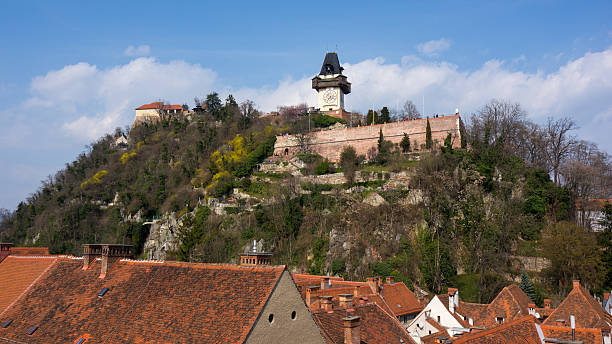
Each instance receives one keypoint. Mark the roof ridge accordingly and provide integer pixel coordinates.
(225, 266)
(37, 257)
(498, 328)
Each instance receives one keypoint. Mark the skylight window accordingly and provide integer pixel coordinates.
(7, 323)
(103, 292)
(32, 330)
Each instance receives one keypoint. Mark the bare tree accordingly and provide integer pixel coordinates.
(532, 145)
(249, 109)
(498, 123)
(293, 111)
(559, 142)
(588, 172)
(409, 111)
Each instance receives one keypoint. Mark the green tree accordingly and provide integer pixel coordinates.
(605, 241)
(213, 104)
(370, 117)
(348, 163)
(405, 143)
(527, 287)
(375, 119)
(385, 117)
(573, 253)
(428, 140)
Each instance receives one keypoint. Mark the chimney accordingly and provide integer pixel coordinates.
(531, 307)
(606, 297)
(352, 330)
(326, 303)
(324, 283)
(5, 247)
(453, 299)
(546, 303)
(451, 304)
(373, 282)
(346, 300)
(389, 280)
(309, 291)
(109, 255)
(576, 283)
(356, 291)
(573, 325)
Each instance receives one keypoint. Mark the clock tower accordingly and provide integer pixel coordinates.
(331, 86)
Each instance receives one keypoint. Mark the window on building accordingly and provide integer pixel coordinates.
(438, 319)
(500, 320)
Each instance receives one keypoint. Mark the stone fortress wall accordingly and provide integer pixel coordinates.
(329, 143)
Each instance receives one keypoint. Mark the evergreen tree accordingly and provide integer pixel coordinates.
(385, 117)
(375, 119)
(405, 143)
(428, 140)
(370, 117)
(605, 241)
(527, 287)
(381, 139)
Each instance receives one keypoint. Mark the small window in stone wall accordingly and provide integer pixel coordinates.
(293, 315)
(271, 318)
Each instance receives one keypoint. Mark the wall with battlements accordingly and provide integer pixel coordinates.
(329, 143)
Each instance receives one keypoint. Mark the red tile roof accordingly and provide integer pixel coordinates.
(158, 105)
(400, 299)
(376, 325)
(17, 275)
(522, 330)
(511, 303)
(587, 311)
(585, 335)
(146, 302)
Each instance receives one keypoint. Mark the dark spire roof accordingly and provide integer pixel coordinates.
(331, 65)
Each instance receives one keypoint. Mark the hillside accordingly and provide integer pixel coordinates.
(432, 219)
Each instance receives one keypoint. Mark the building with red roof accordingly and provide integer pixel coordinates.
(104, 297)
(153, 112)
(587, 312)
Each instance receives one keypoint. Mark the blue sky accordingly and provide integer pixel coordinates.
(72, 70)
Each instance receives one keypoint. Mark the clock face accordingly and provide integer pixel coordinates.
(329, 96)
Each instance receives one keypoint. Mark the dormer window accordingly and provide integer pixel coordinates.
(500, 320)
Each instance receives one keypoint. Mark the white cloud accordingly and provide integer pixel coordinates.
(434, 47)
(135, 51)
(579, 89)
(93, 101)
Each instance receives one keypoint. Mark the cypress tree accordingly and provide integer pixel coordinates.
(527, 287)
(375, 119)
(385, 117)
(370, 117)
(428, 140)
(405, 143)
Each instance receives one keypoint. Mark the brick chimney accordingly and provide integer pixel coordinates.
(547, 303)
(374, 283)
(109, 254)
(576, 283)
(352, 330)
(5, 247)
(326, 303)
(309, 293)
(346, 300)
(324, 283)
